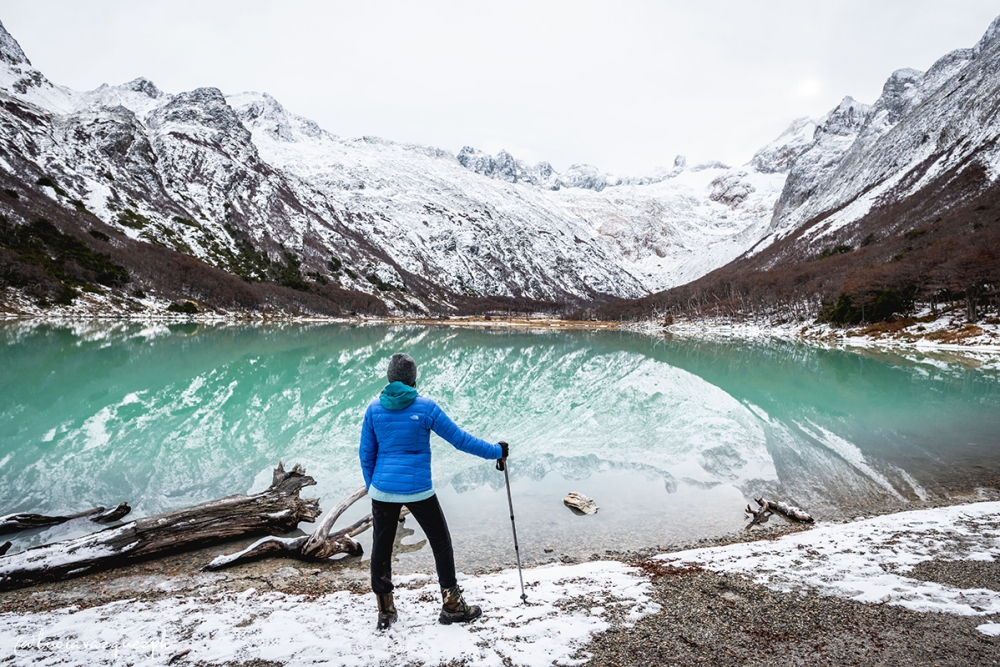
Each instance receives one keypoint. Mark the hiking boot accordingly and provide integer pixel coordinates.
(455, 610)
(386, 612)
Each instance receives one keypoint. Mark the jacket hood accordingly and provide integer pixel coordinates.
(397, 396)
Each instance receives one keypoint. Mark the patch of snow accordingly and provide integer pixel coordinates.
(868, 560)
(339, 628)
(990, 629)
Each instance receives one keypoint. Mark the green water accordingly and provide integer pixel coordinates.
(670, 437)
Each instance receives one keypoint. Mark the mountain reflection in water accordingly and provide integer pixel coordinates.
(671, 437)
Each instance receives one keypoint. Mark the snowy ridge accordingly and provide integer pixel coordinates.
(19, 77)
(205, 173)
(506, 167)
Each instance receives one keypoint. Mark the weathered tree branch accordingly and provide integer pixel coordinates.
(769, 507)
(320, 545)
(278, 509)
(758, 516)
(13, 523)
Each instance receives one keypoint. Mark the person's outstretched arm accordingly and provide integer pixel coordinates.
(459, 439)
(369, 448)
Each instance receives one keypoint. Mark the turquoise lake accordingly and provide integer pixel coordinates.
(670, 436)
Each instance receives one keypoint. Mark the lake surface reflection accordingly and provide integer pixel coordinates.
(671, 437)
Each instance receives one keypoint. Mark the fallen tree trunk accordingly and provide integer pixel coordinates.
(279, 509)
(768, 507)
(320, 545)
(13, 523)
(788, 511)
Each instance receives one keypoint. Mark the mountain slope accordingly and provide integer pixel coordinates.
(241, 184)
(890, 205)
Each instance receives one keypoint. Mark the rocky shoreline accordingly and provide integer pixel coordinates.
(681, 614)
(941, 334)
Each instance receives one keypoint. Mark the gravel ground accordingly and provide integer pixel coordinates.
(717, 619)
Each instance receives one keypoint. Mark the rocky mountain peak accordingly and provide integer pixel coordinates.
(507, 168)
(260, 111)
(203, 106)
(144, 86)
(779, 155)
(585, 176)
(844, 120)
(899, 93)
(19, 78)
(990, 38)
(476, 160)
(10, 50)
(946, 67)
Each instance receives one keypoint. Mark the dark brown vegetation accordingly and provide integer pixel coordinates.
(939, 247)
(52, 253)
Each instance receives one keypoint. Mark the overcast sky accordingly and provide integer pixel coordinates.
(622, 85)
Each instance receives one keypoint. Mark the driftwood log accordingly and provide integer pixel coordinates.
(320, 545)
(13, 523)
(279, 509)
(768, 507)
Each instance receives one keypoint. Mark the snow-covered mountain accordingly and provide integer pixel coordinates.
(221, 177)
(245, 185)
(884, 205)
(923, 125)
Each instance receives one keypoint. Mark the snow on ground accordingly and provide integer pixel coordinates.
(991, 629)
(868, 560)
(339, 629)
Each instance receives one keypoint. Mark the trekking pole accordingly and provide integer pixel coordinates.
(502, 465)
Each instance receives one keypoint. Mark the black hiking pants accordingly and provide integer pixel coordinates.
(385, 519)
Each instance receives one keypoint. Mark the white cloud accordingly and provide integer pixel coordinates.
(624, 86)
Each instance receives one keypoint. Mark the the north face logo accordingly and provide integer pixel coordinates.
(414, 416)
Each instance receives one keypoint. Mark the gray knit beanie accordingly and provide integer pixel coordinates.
(402, 368)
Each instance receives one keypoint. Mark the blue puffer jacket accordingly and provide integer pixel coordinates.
(396, 443)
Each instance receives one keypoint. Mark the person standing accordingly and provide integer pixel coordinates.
(395, 457)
